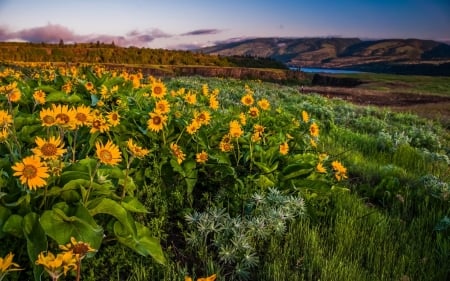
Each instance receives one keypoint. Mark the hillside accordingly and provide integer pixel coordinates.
(390, 55)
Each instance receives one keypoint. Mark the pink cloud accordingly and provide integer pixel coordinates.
(53, 33)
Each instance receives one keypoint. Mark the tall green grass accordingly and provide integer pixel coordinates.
(356, 241)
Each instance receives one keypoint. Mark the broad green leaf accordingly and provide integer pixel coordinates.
(36, 240)
(13, 225)
(264, 182)
(266, 169)
(4, 215)
(67, 176)
(112, 208)
(133, 205)
(63, 223)
(298, 171)
(142, 242)
(57, 97)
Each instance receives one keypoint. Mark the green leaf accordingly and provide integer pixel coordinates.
(57, 96)
(295, 171)
(142, 243)
(13, 225)
(36, 240)
(74, 175)
(63, 222)
(113, 208)
(4, 214)
(133, 205)
(264, 182)
(266, 169)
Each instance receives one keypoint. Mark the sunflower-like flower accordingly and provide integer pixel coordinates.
(213, 102)
(79, 248)
(4, 133)
(179, 154)
(340, 172)
(201, 157)
(305, 116)
(264, 104)
(193, 127)
(284, 148)
(247, 100)
(49, 149)
(67, 87)
(242, 118)
(113, 118)
(253, 111)
(136, 150)
(314, 130)
(14, 95)
(162, 106)
(57, 265)
(158, 89)
(48, 117)
(109, 153)
(31, 172)
(39, 97)
(7, 265)
(190, 98)
(5, 119)
(320, 168)
(235, 129)
(205, 90)
(89, 86)
(156, 122)
(98, 124)
(65, 117)
(202, 117)
(83, 115)
(256, 137)
(225, 146)
(258, 129)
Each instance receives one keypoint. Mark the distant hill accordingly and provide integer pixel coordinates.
(389, 55)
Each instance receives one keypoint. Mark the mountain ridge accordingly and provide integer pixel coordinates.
(335, 52)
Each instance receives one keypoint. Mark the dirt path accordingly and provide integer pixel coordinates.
(429, 106)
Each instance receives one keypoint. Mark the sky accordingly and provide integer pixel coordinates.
(190, 24)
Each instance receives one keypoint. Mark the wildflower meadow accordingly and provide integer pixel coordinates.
(111, 173)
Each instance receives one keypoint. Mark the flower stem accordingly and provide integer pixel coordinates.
(127, 172)
(91, 182)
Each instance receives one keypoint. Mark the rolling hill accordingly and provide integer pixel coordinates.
(342, 52)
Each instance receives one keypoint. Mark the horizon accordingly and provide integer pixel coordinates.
(183, 25)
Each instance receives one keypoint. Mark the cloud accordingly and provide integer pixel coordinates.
(49, 33)
(202, 32)
(53, 33)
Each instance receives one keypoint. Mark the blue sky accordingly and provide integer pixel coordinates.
(184, 24)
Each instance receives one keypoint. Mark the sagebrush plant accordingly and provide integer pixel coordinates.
(234, 243)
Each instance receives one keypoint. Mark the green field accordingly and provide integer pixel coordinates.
(240, 178)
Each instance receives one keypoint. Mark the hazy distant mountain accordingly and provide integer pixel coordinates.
(337, 52)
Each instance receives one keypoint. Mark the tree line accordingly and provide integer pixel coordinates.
(110, 53)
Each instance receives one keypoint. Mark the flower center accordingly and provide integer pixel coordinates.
(81, 117)
(48, 119)
(49, 149)
(96, 124)
(105, 155)
(63, 117)
(157, 90)
(29, 171)
(156, 120)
